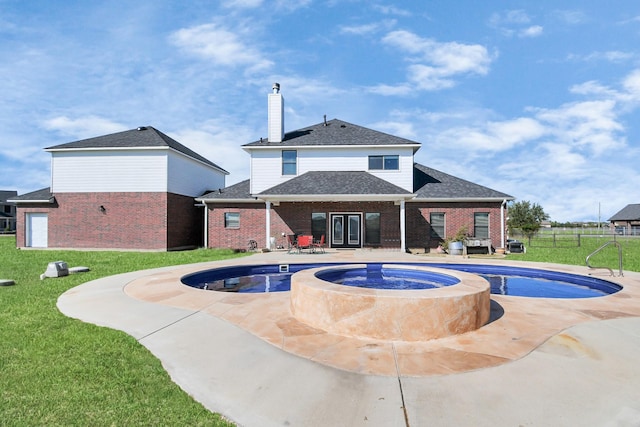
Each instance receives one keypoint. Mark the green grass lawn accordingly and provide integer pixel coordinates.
(59, 371)
(566, 251)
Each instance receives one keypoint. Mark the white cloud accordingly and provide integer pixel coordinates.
(221, 45)
(401, 129)
(391, 10)
(571, 17)
(242, 4)
(365, 29)
(435, 64)
(514, 23)
(533, 31)
(83, 127)
(614, 56)
(632, 84)
(590, 125)
(389, 90)
(509, 17)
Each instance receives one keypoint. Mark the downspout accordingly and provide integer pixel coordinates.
(206, 226)
(403, 244)
(268, 224)
(502, 206)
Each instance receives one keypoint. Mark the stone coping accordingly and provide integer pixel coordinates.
(387, 314)
(517, 325)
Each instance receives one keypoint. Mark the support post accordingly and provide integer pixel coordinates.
(403, 240)
(267, 224)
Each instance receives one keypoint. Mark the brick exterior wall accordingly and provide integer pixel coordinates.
(295, 218)
(140, 221)
(456, 216)
(292, 218)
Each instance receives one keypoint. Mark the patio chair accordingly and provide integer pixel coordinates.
(293, 245)
(319, 244)
(305, 242)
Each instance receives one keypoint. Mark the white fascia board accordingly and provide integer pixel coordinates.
(203, 200)
(462, 199)
(278, 145)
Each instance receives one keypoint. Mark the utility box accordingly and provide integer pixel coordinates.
(57, 269)
(515, 247)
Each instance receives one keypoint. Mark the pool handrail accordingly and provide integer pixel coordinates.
(611, 242)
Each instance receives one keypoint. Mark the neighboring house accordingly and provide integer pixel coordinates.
(7, 211)
(128, 190)
(627, 221)
(359, 187)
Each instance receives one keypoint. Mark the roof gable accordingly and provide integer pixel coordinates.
(142, 137)
(432, 184)
(628, 213)
(332, 133)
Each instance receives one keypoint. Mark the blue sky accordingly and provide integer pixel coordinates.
(538, 99)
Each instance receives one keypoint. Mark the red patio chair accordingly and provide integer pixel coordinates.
(319, 244)
(305, 242)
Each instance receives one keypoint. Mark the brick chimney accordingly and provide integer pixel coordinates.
(276, 115)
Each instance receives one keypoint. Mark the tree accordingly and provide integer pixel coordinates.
(527, 217)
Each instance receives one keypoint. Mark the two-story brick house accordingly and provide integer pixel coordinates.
(128, 190)
(359, 187)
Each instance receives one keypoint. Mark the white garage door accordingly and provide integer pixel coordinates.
(37, 230)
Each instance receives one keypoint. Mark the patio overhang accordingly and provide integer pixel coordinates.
(274, 199)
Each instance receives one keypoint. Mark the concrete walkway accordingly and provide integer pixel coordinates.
(588, 375)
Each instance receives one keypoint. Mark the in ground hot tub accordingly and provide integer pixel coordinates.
(460, 305)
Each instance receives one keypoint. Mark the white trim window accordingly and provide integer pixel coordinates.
(289, 162)
(387, 162)
(232, 220)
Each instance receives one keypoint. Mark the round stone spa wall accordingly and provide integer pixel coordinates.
(398, 315)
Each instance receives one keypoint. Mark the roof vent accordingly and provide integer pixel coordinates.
(142, 128)
(325, 119)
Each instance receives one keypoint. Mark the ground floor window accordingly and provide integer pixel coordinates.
(318, 225)
(436, 219)
(481, 225)
(372, 228)
(232, 220)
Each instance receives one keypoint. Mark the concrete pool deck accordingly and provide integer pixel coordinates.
(538, 362)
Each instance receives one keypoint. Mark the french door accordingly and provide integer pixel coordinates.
(346, 230)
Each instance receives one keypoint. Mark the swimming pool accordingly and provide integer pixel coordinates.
(504, 280)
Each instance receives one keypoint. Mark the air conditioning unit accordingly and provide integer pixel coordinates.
(56, 269)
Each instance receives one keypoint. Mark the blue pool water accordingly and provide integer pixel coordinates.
(504, 280)
(374, 276)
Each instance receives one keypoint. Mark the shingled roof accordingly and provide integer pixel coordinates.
(628, 213)
(334, 132)
(432, 184)
(239, 191)
(142, 137)
(39, 196)
(324, 183)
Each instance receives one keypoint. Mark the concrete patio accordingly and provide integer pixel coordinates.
(538, 361)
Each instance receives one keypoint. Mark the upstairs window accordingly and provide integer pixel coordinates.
(289, 162)
(384, 162)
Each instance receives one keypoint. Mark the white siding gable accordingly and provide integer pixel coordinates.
(131, 170)
(190, 177)
(266, 164)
